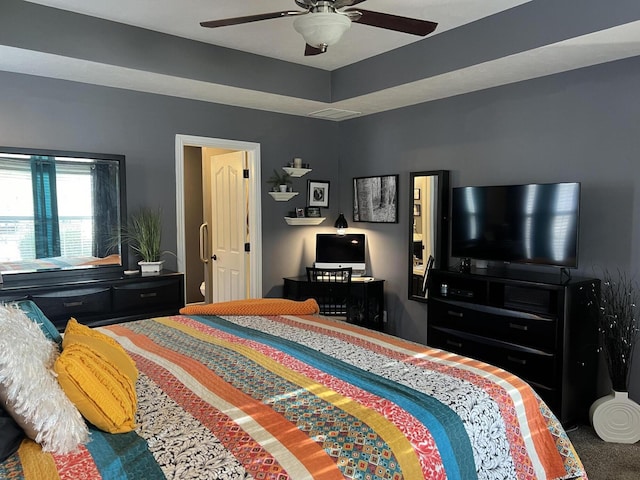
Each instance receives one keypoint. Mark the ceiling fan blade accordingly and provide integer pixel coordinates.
(251, 18)
(310, 50)
(413, 26)
(346, 3)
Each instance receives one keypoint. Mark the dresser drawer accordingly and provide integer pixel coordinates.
(61, 305)
(530, 364)
(147, 295)
(507, 325)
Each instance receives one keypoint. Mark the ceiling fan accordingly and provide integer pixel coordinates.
(323, 22)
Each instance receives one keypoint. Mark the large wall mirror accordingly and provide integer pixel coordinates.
(60, 211)
(429, 228)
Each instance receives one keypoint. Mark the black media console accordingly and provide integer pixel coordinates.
(540, 326)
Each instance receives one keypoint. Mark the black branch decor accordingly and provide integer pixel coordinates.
(618, 325)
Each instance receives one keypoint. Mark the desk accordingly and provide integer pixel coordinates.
(367, 296)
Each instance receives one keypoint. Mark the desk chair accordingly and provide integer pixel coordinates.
(332, 290)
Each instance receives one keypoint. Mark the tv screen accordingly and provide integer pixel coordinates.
(340, 250)
(535, 224)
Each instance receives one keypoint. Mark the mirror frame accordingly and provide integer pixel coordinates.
(21, 276)
(441, 225)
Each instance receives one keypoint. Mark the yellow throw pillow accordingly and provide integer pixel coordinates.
(103, 394)
(116, 357)
(117, 353)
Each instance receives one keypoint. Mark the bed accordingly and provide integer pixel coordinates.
(270, 390)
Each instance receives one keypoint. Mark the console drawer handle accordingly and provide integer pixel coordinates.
(454, 344)
(149, 295)
(517, 326)
(73, 304)
(521, 361)
(451, 313)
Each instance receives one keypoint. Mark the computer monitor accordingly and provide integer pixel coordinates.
(341, 251)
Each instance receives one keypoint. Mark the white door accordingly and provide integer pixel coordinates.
(227, 229)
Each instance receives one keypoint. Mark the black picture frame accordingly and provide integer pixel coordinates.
(318, 193)
(375, 199)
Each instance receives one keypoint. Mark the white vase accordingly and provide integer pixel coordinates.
(150, 267)
(616, 418)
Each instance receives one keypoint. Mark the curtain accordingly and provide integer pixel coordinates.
(106, 211)
(45, 207)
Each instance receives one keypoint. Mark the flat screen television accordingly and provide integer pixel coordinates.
(341, 251)
(532, 224)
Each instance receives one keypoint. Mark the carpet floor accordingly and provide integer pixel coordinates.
(603, 460)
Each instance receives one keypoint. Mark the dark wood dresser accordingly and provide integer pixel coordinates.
(100, 300)
(540, 326)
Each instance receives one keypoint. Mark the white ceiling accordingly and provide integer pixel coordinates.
(277, 39)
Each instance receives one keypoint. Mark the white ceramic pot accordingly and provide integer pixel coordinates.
(283, 188)
(150, 267)
(616, 418)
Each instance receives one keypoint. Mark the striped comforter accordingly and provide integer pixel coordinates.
(299, 397)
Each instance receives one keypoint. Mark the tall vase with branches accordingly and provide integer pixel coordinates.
(618, 331)
(618, 325)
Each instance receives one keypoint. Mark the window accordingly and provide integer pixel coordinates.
(73, 215)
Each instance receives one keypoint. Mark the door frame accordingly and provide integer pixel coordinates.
(254, 207)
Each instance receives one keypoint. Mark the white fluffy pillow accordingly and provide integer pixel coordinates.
(29, 389)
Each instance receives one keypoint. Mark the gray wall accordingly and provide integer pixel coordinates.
(577, 126)
(45, 113)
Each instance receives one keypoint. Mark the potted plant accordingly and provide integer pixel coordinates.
(279, 182)
(143, 233)
(618, 329)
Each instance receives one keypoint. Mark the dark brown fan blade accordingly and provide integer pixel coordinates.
(346, 3)
(309, 50)
(251, 18)
(413, 26)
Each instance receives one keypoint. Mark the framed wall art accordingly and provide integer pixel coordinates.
(375, 199)
(318, 193)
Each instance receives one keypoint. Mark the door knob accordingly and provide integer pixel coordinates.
(214, 257)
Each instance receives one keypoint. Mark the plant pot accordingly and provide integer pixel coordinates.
(150, 267)
(616, 418)
(283, 188)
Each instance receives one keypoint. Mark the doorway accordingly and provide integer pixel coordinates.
(190, 194)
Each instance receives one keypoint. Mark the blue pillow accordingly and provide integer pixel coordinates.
(32, 311)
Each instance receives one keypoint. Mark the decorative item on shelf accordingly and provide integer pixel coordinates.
(279, 182)
(312, 212)
(341, 224)
(143, 233)
(616, 417)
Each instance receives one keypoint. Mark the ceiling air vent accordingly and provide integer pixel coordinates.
(334, 114)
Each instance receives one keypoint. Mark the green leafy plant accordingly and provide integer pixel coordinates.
(278, 179)
(618, 325)
(143, 233)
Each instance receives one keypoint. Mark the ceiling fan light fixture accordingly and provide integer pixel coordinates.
(321, 28)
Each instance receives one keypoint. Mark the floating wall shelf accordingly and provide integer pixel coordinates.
(304, 220)
(283, 196)
(296, 172)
